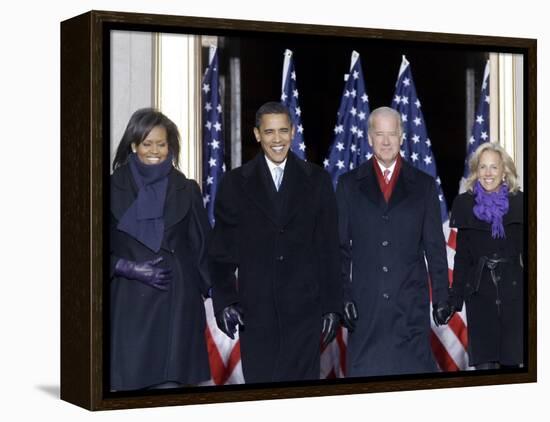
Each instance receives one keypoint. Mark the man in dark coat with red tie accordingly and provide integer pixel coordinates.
(390, 226)
(276, 223)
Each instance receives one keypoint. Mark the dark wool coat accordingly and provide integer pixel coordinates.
(384, 247)
(494, 312)
(158, 336)
(285, 247)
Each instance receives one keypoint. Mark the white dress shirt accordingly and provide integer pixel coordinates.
(390, 168)
(271, 165)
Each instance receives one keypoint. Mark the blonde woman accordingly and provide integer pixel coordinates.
(488, 269)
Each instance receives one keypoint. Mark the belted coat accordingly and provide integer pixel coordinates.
(494, 302)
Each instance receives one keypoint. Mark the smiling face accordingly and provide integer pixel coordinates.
(275, 135)
(154, 148)
(490, 170)
(385, 138)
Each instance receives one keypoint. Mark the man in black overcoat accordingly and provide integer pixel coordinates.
(276, 226)
(390, 227)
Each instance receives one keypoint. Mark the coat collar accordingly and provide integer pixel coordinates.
(368, 184)
(462, 215)
(257, 184)
(124, 192)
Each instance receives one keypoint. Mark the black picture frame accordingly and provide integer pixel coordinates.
(84, 171)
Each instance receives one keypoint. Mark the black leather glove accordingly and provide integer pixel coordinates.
(229, 318)
(456, 300)
(330, 326)
(442, 313)
(350, 315)
(146, 272)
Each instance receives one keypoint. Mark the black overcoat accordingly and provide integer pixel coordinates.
(285, 247)
(158, 336)
(494, 308)
(384, 250)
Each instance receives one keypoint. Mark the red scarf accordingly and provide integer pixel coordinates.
(387, 188)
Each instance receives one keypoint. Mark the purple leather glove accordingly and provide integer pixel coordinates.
(229, 318)
(330, 326)
(146, 272)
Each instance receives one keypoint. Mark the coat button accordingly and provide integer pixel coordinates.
(514, 283)
(385, 217)
(498, 302)
(386, 296)
(385, 269)
(385, 243)
(280, 258)
(281, 231)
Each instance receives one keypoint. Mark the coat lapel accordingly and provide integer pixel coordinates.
(178, 199)
(256, 185)
(515, 213)
(294, 188)
(123, 191)
(402, 186)
(368, 184)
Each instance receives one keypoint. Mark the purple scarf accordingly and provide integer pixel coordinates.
(144, 219)
(491, 207)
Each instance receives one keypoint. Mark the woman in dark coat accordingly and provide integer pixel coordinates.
(159, 231)
(488, 269)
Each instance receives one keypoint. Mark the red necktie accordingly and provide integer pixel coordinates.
(387, 176)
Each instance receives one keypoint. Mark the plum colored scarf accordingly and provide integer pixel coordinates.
(491, 207)
(144, 219)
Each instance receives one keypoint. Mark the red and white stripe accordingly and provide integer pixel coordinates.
(333, 356)
(224, 354)
(450, 342)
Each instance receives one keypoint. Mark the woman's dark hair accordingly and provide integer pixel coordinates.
(139, 126)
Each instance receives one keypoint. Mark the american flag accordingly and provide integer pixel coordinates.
(350, 146)
(480, 129)
(480, 134)
(223, 353)
(213, 144)
(289, 97)
(448, 342)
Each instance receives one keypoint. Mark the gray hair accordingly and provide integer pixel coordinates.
(387, 111)
(510, 172)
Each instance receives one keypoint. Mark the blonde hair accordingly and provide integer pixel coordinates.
(510, 173)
